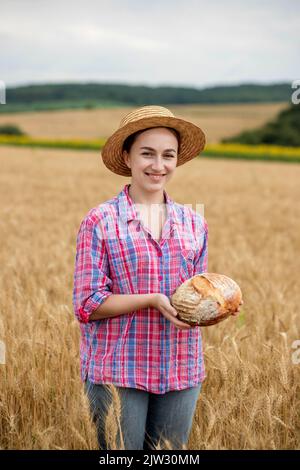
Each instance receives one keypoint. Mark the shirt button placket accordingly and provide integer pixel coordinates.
(160, 278)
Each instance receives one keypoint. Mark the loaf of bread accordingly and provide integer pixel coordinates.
(206, 299)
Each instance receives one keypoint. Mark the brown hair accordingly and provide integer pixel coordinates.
(128, 142)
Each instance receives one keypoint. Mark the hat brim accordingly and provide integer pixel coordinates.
(192, 141)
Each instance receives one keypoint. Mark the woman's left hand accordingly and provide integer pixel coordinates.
(238, 309)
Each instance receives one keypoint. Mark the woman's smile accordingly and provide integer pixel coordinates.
(155, 177)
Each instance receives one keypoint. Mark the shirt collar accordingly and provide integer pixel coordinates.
(128, 211)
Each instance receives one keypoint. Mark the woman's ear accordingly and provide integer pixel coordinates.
(126, 158)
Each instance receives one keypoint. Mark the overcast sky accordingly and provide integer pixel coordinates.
(161, 42)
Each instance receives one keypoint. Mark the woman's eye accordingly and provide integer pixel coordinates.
(147, 153)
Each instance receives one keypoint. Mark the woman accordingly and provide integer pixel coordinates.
(132, 252)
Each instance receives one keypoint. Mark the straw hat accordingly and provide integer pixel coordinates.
(192, 138)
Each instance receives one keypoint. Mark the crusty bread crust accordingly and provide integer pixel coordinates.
(206, 299)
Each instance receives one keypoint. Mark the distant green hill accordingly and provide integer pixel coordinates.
(93, 95)
(284, 130)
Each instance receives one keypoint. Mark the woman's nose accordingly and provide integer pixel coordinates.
(158, 165)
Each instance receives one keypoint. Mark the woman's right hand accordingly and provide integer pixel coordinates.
(162, 303)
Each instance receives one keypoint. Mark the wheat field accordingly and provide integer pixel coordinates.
(217, 121)
(250, 399)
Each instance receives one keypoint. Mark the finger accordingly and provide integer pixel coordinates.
(174, 320)
(172, 313)
(181, 324)
(185, 326)
(169, 311)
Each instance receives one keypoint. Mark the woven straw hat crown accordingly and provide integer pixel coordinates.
(192, 138)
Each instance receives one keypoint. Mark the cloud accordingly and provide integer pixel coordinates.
(192, 43)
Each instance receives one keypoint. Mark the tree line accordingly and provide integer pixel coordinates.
(94, 94)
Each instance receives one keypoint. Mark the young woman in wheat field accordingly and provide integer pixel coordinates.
(132, 253)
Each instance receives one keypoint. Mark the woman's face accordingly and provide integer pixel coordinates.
(154, 152)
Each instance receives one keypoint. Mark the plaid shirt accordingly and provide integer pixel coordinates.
(116, 254)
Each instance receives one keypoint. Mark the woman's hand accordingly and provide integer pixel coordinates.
(238, 309)
(162, 303)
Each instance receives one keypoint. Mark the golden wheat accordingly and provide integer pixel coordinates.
(217, 121)
(251, 397)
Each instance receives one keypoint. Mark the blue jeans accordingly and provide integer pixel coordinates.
(146, 418)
